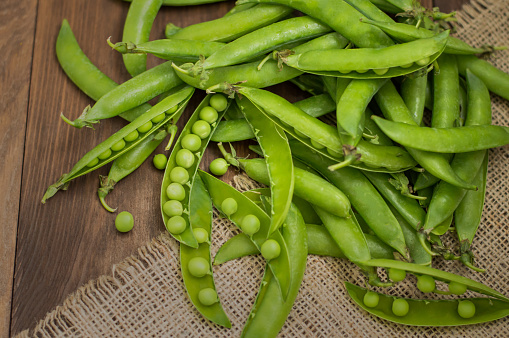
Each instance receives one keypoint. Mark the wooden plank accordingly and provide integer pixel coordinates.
(449, 5)
(17, 23)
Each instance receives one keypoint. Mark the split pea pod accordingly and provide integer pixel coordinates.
(195, 262)
(371, 63)
(429, 312)
(138, 24)
(237, 207)
(176, 187)
(116, 145)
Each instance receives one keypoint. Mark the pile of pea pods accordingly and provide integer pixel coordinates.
(379, 188)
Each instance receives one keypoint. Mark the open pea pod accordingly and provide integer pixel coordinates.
(436, 274)
(371, 63)
(220, 191)
(430, 312)
(176, 188)
(125, 139)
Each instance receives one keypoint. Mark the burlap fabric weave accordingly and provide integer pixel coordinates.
(145, 296)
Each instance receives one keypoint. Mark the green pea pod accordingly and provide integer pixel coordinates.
(310, 83)
(437, 274)
(278, 159)
(370, 10)
(280, 266)
(386, 6)
(138, 24)
(431, 312)
(446, 93)
(90, 161)
(180, 173)
(413, 92)
(371, 63)
(128, 95)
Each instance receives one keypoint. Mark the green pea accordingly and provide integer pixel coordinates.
(250, 225)
(132, 136)
(105, 154)
(201, 128)
(198, 267)
(333, 153)
(466, 309)
(397, 275)
(317, 145)
(457, 288)
(179, 175)
(361, 71)
(175, 191)
(371, 299)
(173, 208)
(400, 307)
(270, 249)
(408, 65)
(201, 235)
(381, 71)
(218, 102)
(229, 206)
(425, 283)
(219, 166)
(184, 158)
(124, 221)
(176, 225)
(423, 62)
(208, 114)
(298, 133)
(172, 110)
(118, 146)
(160, 161)
(146, 127)
(191, 142)
(93, 162)
(207, 296)
(158, 118)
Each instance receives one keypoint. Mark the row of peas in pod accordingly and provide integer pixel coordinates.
(378, 188)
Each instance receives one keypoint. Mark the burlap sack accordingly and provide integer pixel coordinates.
(145, 295)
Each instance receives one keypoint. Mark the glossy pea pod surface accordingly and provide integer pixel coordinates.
(185, 162)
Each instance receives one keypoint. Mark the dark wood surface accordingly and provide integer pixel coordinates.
(48, 251)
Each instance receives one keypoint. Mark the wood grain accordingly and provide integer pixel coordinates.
(72, 239)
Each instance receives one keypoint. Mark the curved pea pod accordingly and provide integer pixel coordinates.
(438, 275)
(431, 312)
(280, 266)
(201, 218)
(90, 161)
(186, 179)
(371, 63)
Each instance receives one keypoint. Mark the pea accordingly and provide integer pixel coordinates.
(207, 296)
(132, 136)
(218, 102)
(298, 133)
(333, 153)
(191, 142)
(124, 221)
(158, 118)
(425, 283)
(371, 299)
(219, 166)
(201, 235)
(184, 158)
(457, 288)
(466, 309)
(198, 267)
(179, 175)
(201, 128)
(397, 275)
(175, 191)
(105, 154)
(146, 127)
(176, 225)
(172, 110)
(250, 224)
(173, 208)
(208, 114)
(381, 71)
(93, 162)
(317, 145)
(160, 161)
(423, 62)
(400, 307)
(270, 249)
(118, 146)
(229, 206)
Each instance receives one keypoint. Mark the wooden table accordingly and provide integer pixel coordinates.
(48, 251)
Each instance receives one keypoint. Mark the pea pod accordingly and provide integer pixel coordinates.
(371, 63)
(90, 161)
(279, 266)
(201, 220)
(430, 312)
(180, 173)
(370, 10)
(413, 93)
(386, 6)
